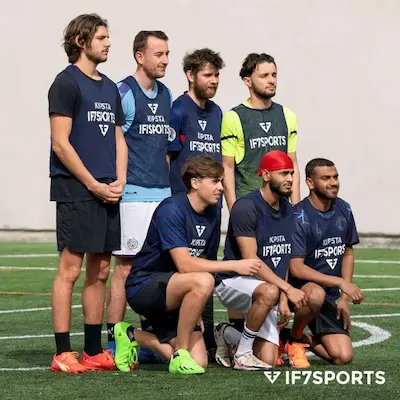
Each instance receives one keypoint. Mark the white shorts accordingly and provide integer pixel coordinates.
(135, 222)
(237, 293)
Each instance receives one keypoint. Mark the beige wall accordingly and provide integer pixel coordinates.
(338, 65)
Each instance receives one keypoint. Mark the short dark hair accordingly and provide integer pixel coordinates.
(317, 162)
(84, 26)
(140, 41)
(201, 167)
(197, 60)
(251, 62)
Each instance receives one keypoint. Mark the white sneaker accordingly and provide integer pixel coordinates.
(249, 362)
(222, 355)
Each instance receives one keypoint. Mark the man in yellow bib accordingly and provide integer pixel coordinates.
(255, 127)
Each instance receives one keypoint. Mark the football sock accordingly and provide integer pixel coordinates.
(246, 341)
(63, 342)
(92, 339)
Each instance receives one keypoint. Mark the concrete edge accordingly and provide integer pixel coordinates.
(368, 240)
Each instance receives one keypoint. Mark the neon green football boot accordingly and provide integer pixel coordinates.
(183, 364)
(126, 347)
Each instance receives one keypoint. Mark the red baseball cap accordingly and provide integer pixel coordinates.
(275, 160)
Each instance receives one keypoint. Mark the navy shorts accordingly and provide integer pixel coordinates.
(150, 300)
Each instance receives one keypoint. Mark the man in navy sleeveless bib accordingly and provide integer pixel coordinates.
(260, 226)
(196, 130)
(88, 164)
(172, 280)
(322, 253)
(195, 119)
(147, 104)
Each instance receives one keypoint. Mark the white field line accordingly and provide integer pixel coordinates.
(389, 289)
(378, 335)
(28, 255)
(6, 267)
(32, 309)
(374, 276)
(24, 369)
(49, 335)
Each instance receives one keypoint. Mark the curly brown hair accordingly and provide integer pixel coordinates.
(197, 60)
(84, 27)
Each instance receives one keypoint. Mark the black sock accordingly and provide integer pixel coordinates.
(62, 342)
(110, 332)
(130, 331)
(146, 325)
(238, 323)
(295, 340)
(208, 320)
(92, 339)
(284, 335)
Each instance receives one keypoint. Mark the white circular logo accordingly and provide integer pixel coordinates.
(132, 244)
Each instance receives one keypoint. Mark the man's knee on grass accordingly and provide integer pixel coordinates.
(342, 356)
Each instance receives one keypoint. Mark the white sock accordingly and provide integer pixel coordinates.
(231, 335)
(246, 341)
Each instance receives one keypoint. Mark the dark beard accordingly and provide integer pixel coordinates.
(200, 93)
(322, 195)
(263, 95)
(275, 188)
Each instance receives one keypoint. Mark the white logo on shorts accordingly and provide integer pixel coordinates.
(332, 262)
(200, 229)
(132, 244)
(276, 261)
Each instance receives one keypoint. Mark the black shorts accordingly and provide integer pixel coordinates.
(88, 226)
(151, 302)
(326, 322)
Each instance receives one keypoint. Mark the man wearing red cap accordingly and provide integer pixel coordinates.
(260, 226)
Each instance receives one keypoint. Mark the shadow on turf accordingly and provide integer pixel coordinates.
(34, 357)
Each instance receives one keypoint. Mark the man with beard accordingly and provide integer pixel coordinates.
(251, 130)
(196, 128)
(261, 226)
(88, 172)
(254, 128)
(323, 241)
(146, 103)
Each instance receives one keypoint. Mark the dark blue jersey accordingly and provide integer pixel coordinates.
(95, 109)
(252, 216)
(196, 132)
(175, 224)
(321, 238)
